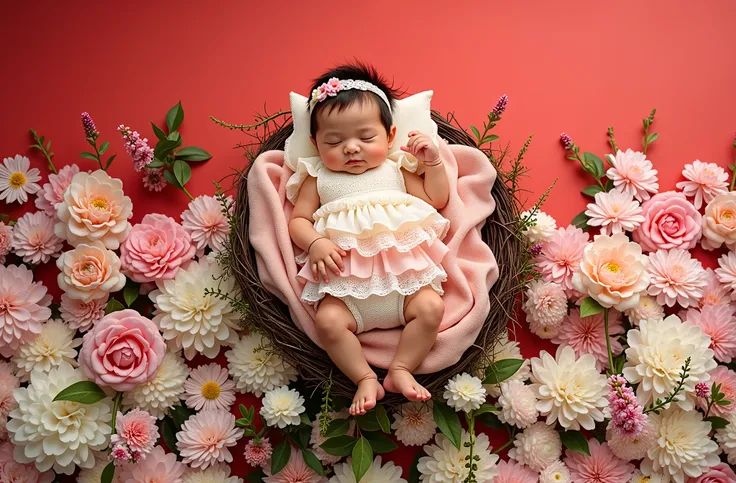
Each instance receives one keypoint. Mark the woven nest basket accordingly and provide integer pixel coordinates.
(267, 314)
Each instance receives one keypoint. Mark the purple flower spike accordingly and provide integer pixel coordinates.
(500, 107)
(89, 125)
(566, 140)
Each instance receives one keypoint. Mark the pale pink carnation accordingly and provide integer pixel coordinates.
(632, 172)
(157, 467)
(602, 466)
(153, 179)
(676, 278)
(704, 182)
(24, 306)
(204, 438)
(258, 454)
(206, 223)
(82, 315)
(155, 249)
(719, 222)
(727, 379)
(512, 472)
(718, 323)
(8, 384)
(6, 240)
(720, 473)
(208, 387)
(52, 192)
(13, 472)
(295, 471)
(632, 448)
(726, 271)
(546, 303)
(561, 256)
(715, 292)
(586, 335)
(670, 221)
(137, 430)
(518, 404)
(34, 239)
(615, 212)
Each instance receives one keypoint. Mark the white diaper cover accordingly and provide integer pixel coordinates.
(377, 311)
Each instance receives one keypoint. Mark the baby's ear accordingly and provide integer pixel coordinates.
(391, 136)
(311, 138)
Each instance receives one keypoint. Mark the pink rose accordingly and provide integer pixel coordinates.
(670, 221)
(155, 249)
(122, 350)
(720, 473)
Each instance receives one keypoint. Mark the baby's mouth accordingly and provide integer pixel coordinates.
(353, 162)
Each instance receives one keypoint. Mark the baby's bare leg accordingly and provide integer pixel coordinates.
(423, 312)
(335, 328)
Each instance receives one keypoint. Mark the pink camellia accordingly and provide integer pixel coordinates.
(719, 222)
(122, 350)
(155, 249)
(52, 192)
(720, 473)
(670, 221)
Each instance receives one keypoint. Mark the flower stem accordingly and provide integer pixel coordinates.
(471, 429)
(733, 176)
(187, 193)
(608, 342)
(115, 405)
(45, 150)
(503, 447)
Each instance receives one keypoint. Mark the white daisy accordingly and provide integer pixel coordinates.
(209, 388)
(17, 180)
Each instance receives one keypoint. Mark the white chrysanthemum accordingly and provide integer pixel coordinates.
(507, 349)
(465, 392)
(629, 449)
(570, 390)
(541, 226)
(219, 473)
(282, 407)
(445, 463)
(726, 437)
(162, 392)
(414, 423)
(194, 321)
(538, 446)
(639, 477)
(683, 448)
(256, 366)
(545, 304)
(316, 438)
(55, 343)
(57, 434)
(557, 472)
(388, 473)
(518, 404)
(658, 350)
(648, 309)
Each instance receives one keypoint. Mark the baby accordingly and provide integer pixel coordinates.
(370, 230)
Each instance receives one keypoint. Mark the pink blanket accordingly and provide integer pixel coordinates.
(470, 264)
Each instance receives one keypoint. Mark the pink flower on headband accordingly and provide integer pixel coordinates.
(335, 84)
(329, 88)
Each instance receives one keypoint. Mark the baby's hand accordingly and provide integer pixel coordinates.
(324, 254)
(422, 148)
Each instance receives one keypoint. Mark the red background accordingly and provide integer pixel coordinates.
(576, 66)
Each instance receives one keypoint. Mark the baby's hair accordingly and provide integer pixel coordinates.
(345, 99)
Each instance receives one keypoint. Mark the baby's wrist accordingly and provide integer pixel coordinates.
(435, 162)
(314, 241)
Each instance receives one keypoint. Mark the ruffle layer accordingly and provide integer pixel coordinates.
(305, 167)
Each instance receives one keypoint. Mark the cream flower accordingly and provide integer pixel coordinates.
(615, 212)
(446, 464)
(204, 438)
(540, 226)
(18, 180)
(648, 309)
(612, 271)
(189, 318)
(726, 437)
(54, 345)
(206, 223)
(388, 473)
(58, 434)
(162, 392)
(704, 182)
(537, 447)
(639, 477)
(316, 438)
(632, 172)
(94, 474)
(89, 272)
(464, 392)
(94, 209)
(219, 473)
(208, 387)
(34, 239)
(506, 349)
(545, 304)
(518, 404)
(414, 423)
(23, 307)
(282, 407)
(676, 277)
(683, 448)
(570, 391)
(657, 351)
(719, 222)
(557, 472)
(629, 449)
(256, 366)
(543, 332)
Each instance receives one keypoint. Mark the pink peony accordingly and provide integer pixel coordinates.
(206, 223)
(704, 182)
(122, 350)
(208, 387)
(204, 438)
(631, 172)
(295, 471)
(8, 384)
(715, 292)
(158, 467)
(586, 335)
(676, 278)
(52, 192)
(561, 256)
(546, 304)
(512, 472)
(719, 222)
(258, 454)
(602, 466)
(727, 379)
(23, 307)
(153, 179)
(89, 272)
(82, 315)
(615, 212)
(155, 249)
(13, 472)
(6, 240)
(718, 323)
(720, 473)
(670, 221)
(34, 238)
(137, 430)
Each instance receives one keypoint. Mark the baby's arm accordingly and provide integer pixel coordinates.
(434, 188)
(323, 253)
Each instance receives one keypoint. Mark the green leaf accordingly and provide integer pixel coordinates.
(87, 155)
(108, 473)
(104, 147)
(339, 446)
(476, 133)
(193, 153)
(448, 422)
(380, 442)
(168, 431)
(652, 137)
(156, 163)
(337, 427)
(590, 307)
(580, 220)
(485, 408)
(160, 134)
(131, 291)
(180, 413)
(362, 458)
(312, 461)
(243, 410)
(414, 468)
(575, 441)
(174, 118)
(109, 161)
(303, 435)
(501, 370)
(113, 306)
(304, 418)
(724, 402)
(256, 477)
(382, 418)
(242, 422)
(368, 421)
(592, 190)
(280, 457)
(609, 185)
(182, 172)
(716, 422)
(83, 392)
(490, 420)
(169, 177)
(488, 139)
(175, 136)
(164, 148)
(593, 165)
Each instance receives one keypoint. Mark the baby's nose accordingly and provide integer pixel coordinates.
(352, 148)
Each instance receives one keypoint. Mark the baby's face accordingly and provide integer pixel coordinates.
(353, 140)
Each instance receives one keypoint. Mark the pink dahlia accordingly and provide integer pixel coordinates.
(561, 255)
(13, 472)
(137, 430)
(158, 467)
(670, 221)
(615, 212)
(82, 315)
(586, 335)
(6, 240)
(8, 384)
(602, 466)
(34, 238)
(153, 179)
(546, 303)
(718, 323)
(726, 271)
(704, 182)
(676, 278)
(208, 387)
(726, 378)
(258, 454)
(24, 306)
(52, 192)
(631, 172)
(204, 438)
(720, 473)
(512, 472)
(295, 471)
(715, 292)
(206, 223)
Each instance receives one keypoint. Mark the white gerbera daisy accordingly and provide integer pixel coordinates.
(537, 447)
(465, 392)
(445, 463)
(17, 180)
(414, 423)
(726, 437)
(162, 392)
(219, 473)
(282, 407)
(256, 366)
(208, 387)
(55, 343)
(388, 473)
(540, 227)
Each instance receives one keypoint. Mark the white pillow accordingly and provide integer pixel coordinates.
(412, 113)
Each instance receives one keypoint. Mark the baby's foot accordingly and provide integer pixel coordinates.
(401, 380)
(369, 391)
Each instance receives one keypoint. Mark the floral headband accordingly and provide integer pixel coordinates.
(335, 85)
